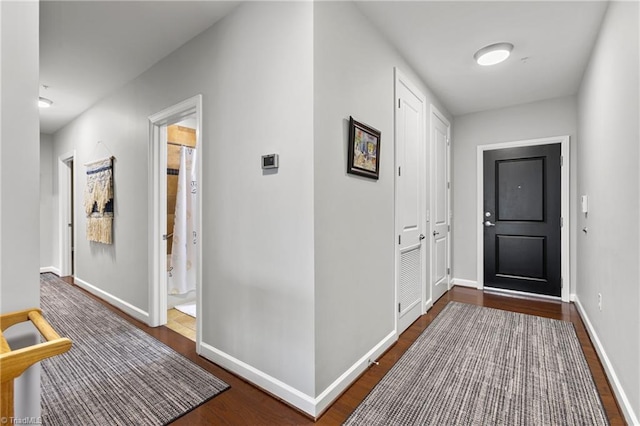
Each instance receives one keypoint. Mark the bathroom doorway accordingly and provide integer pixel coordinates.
(175, 267)
(182, 233)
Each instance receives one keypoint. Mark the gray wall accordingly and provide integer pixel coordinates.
(19, 184)
(281, 290)
(47, 201)
(255, 72)
(608, 173)
(354, 217)
(553, 117)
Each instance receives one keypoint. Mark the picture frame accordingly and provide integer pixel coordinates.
(363, 156)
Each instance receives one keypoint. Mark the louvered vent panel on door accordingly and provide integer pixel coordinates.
(409, 277)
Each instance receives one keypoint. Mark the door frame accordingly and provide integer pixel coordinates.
(157, 209)
(434, 111)
(401, 79)
(565, 267)
(66, 179)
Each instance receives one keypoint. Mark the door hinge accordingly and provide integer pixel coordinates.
(561, 160)
(399, 239)
(448, 271)
(448, 228)
(448, 185)
(399, 172)
(561, 282)
(398, 102)
(398, 308)
(561, 222)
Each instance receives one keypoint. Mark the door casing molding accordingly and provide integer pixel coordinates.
(158, 210)
(565, 267)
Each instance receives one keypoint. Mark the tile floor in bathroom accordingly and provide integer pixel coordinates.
(181, 323)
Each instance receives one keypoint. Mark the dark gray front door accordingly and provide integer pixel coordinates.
(522, 219)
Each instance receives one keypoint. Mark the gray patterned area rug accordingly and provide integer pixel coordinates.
(115, 373)
(482, 366)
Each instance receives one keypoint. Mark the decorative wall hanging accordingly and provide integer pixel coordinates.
(363, 156)
(98, 200)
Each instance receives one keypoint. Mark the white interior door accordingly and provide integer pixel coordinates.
(410, 201)
(440, 190)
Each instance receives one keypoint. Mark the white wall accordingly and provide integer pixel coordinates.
(608, 173)
(19, 183)
(47, 202)
(552, 117)
(255, 72)
(354, 217)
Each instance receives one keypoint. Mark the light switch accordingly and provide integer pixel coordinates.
(584, 200)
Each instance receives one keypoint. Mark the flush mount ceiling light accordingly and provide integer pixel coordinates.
(44, 102)
(493, 54)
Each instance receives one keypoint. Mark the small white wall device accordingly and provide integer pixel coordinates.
(584, 200)
(270, 161)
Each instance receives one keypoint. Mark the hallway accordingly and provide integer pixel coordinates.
(245, 404)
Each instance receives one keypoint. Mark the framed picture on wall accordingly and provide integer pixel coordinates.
(363, 157)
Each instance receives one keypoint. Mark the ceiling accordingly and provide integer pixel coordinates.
(552, 39)
(88, 49)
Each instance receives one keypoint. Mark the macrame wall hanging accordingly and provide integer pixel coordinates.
(98, 200)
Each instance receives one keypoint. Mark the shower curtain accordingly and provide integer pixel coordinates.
(182, 274)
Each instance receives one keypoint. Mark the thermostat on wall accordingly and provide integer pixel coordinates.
(270, 161)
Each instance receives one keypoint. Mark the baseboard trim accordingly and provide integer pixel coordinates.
(464, 283)
(335, 389)
(298, 399)
(621, 396)
(52, 269)
(126, 307)
(259, 378)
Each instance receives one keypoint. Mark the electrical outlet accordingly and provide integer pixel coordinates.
(600, 301)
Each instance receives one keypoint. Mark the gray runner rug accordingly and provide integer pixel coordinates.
(482, 366)
(115, 373)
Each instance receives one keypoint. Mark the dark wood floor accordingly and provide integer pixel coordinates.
(244, 404)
